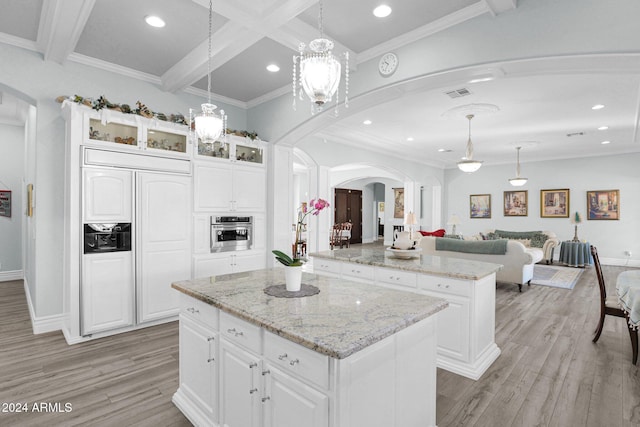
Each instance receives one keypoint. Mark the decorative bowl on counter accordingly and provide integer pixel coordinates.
(404, 253)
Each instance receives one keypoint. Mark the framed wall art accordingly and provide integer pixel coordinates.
(603, 204)
(480, 206)
(398, 203)
(5, 203)
(515, 203)
(554, 203)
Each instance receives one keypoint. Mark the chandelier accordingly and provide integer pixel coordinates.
(518, 181)
(468, 164)
(317, 72)
(209, 126)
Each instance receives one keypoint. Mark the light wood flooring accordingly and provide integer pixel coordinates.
(549, 372)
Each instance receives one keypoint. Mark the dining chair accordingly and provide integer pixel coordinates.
(611, 306)
(336, 236)
(345, 234)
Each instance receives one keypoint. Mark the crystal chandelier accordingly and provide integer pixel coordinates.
(317, 72)
(209, 126)
(518, 181)
(468, 164)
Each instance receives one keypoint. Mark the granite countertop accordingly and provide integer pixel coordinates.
(435, 265)
(343, 318)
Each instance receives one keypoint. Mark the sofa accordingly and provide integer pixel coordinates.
(517, 260)
(545, 240)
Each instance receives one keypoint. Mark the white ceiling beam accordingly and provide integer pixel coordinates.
(61, 24)
(496, 7)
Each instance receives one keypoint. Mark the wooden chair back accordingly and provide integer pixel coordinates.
(336, 235)
(601, 283)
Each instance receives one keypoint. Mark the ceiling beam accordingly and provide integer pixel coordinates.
(496, 7)
(61, 24)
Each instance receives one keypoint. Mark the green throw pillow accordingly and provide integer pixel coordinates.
(538, 239)
(492, 236)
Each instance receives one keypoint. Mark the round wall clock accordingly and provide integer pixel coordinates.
(388, 64)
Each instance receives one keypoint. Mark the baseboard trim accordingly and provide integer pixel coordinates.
(621, 262)
(7, 276)
(43, 324)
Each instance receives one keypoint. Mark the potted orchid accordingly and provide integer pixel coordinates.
(292, 271)
(314, 207)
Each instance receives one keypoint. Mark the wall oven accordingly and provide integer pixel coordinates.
(231, 233)
(100, 238)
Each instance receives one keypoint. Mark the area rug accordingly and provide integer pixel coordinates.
(556, 276)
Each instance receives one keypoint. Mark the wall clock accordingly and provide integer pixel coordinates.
(388, 64)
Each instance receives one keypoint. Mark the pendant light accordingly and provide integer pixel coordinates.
(468, 164)
(317, 72)
(209, 126)
(518, 181)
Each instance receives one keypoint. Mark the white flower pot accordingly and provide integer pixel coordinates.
(293, 278)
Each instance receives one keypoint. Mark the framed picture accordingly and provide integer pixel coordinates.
(5, 203)
(398, 203)
(603, 204)
(554, 203)
(515, 203)
(480, 206)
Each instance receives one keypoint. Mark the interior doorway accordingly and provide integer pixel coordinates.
(347, 207)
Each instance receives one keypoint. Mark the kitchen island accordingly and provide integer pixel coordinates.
(466, 329)
(352, 355)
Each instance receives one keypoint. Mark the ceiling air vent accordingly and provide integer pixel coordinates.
(458, 93)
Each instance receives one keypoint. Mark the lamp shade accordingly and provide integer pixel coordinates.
(454, 220)
(518, 182)
(410, 219)
(320, 72)
(209, 125)
(469, 165)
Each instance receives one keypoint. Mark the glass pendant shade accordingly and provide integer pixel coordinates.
(518, 181)
(209, 125)
(320, 72)
(469, 165)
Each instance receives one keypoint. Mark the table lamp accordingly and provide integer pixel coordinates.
(576, 219)
(410, 220)
(454, 220)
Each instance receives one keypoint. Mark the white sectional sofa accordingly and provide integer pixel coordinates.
(517, 262)
(526, 238)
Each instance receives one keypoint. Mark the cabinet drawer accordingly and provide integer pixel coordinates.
(321, 265)
(358, 271)
(396, 277)
(296, 359)
(240, 332)
(199, 311)
(445, 285)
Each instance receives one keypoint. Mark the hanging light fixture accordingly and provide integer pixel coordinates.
(468, 164)
(518, 181)
(317, 72)
(209, 125)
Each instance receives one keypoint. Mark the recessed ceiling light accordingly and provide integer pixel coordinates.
(367, 122)
(603, 128)
(154, 21)
(382, 11)
(410, 138)
(597, 107)
(273, 68)
(605, 142)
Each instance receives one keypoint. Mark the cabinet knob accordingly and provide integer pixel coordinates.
(253, 390)
(266, 372)
(439, 285)
(447, 286)
(282, 356)
(210, 339)
(264, 399)
(211, 360)
(293, 362)
(252, 365)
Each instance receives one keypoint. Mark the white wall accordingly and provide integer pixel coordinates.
(578, 175)
(11, 177)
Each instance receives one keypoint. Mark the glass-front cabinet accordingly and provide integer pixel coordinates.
(237, 149)
(113, 132)
(167, 141)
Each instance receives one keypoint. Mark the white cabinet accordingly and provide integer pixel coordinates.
(107, 195)
(229, 187)
(225, 263)
(107, 291)
(164, 242)
(240, 385)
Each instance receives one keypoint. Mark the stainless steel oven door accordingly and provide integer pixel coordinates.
(231, 237)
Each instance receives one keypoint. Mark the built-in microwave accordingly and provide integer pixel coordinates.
(231, 233)
(99, 238)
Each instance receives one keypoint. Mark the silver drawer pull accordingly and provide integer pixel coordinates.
(266, 372)
(264, 399)
(211, 339)
(193, 310)
(211, 360)
(293, 362)
(397, 278)
(391, 277)
(234, 332)
(447, 286)
(282, 356)
(252, 365)
(253, 390)
(439, 285)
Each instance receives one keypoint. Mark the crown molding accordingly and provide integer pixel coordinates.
(19, 42)
(269, 96)
(111, 67)
(204, 94)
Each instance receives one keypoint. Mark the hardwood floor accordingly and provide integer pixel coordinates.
(549, 372)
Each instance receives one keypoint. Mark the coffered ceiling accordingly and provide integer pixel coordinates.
(534, 111)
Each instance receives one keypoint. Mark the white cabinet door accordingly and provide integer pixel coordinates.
(291, 403)
(198, 366)
(107, 291)
(249, 188)
(248, 262)
(453, 327)
(107, 195)
(213, 187)
(240, 387)
(164, 250)
(211, 265)
(201, 234)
